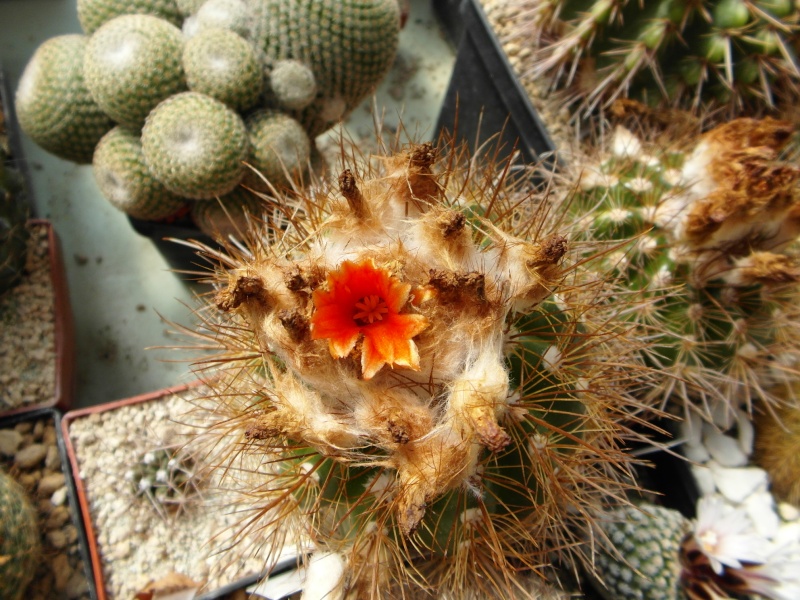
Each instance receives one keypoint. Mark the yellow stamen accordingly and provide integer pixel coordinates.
(372, 308)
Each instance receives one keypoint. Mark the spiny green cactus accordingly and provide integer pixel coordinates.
(13, 230)
(19, 539)
(196, 146)
(166, 477)
(125, 181)
(93, 13)
(54, 105)
(712, 223)
(354, 45)
(735, 54)
(423, 382)
(223, 65)
(291, 84)
(640, 557)
(132, 63)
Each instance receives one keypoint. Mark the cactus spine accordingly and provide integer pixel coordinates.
(712, 223)
(732, 54)
(19, 539)
(419, 378)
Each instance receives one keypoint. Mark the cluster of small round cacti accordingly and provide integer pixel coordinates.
(165, 477)
(711, 223)
(733, 54)
(19, 539)
(170, 101)
(422, 379)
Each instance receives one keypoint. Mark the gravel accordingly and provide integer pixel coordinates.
(27, 331)
(137, 543)
(29, 451)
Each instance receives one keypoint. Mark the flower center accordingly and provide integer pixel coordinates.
(709, 540)
(370, 309)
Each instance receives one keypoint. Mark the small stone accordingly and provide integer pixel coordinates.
(71, 533)
(24, 427)
(61, 571)
(50, 437)
(30, 457)
(53, 459)
(122, 549)
(788, 512)
(38, 430)
(29, 480)
(77, 586)
(50, 483)
(57, 517)
(704, 480)
(737, 484)
(57, 538)
(59, 497)
(723, 449)
(10, 441)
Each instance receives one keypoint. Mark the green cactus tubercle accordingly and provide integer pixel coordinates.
(19, 539)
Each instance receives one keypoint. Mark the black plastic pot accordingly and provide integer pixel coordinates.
(163, 235)
(51, 414)
(484, 100)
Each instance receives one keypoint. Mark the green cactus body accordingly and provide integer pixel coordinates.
(644, 558)
(348, 44)
(228, 214)
(13, 230)
(714, 300)
(132, 63)
(291, 85)
(53, 103)
(223, 65)
(422, 382)
(19, 539)
(93, 13)
(126, 182)
(722, 53)
(195, 146)
(281, 148)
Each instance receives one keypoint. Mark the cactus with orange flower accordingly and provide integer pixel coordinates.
(416, 373)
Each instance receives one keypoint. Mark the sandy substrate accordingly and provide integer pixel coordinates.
(27, 331)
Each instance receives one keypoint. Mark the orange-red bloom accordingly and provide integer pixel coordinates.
(362, 300)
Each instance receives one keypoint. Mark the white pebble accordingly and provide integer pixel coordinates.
(737, 484)
(59, 497)
(722, 448)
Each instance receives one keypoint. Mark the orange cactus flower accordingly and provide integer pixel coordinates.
(363, 300)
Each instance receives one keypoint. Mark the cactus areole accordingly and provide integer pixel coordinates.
(418, 372)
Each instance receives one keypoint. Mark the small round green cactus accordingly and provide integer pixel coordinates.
(732, 54)
(166, 477)
(640, 558)
(281, 148)
(195, 146)
(19, 539)
(54, 105)
(292, 85)
(234, 15)
(348, 44)
(126, 182)
(132, 63)
(93, 13)
(223, 65)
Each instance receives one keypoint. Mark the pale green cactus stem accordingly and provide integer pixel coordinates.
(93, 13)
(281, 149)
(195, 146)
(321, 34)
(54, 105)
(125, 180)
(132, 63)
(222, 64)
(228, 215)
(732, 54)
(20, 547)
